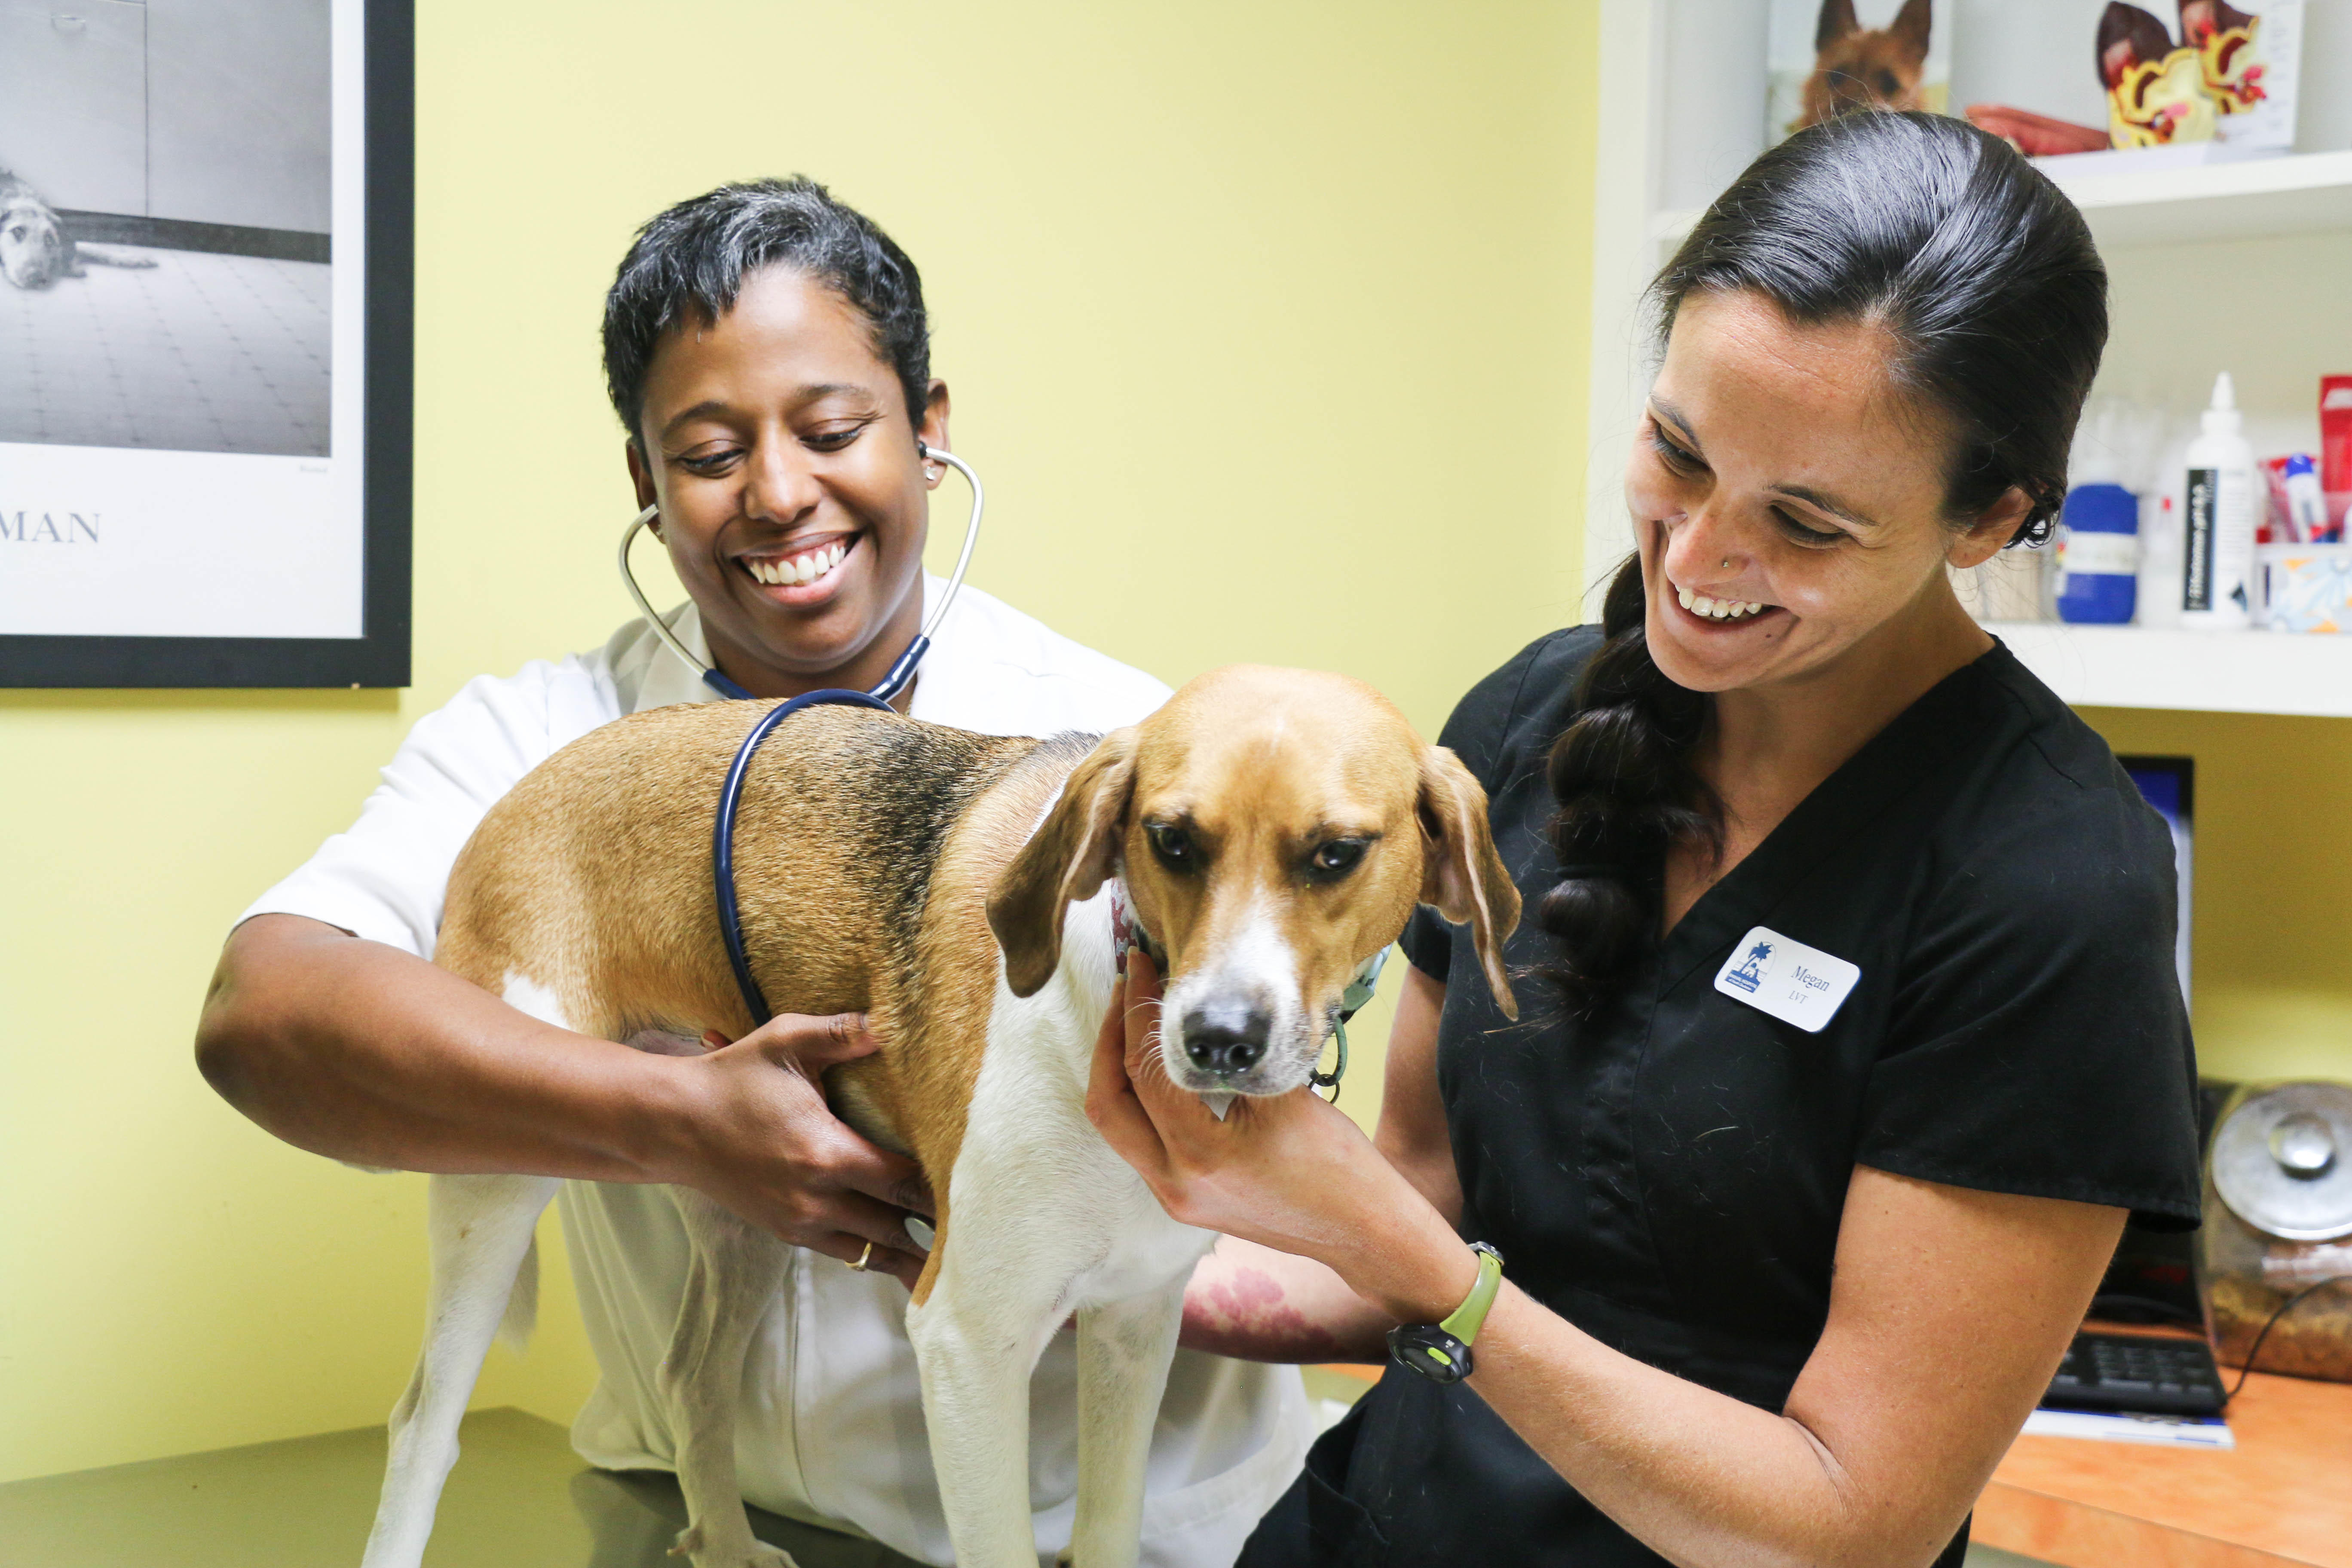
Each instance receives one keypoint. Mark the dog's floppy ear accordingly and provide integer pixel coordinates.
(1837, 20)
(1461, 876)
(1912, 28)
(1069, 857)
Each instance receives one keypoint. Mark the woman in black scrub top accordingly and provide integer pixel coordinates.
(1849, 1033)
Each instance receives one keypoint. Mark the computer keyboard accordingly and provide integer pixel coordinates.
(2126, 1371)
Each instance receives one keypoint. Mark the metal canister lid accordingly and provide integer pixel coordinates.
(2282, 1160)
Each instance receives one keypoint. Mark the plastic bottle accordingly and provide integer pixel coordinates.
(2098, 556)
(2218, 518)
(2306, 504)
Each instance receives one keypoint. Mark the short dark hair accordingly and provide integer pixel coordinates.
(1994, 302)
(689, 263)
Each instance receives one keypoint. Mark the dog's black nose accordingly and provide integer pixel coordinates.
(1227, 1036)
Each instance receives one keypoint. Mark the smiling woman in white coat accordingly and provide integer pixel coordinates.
(767, 352)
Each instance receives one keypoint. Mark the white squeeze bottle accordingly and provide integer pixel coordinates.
(2217, 543)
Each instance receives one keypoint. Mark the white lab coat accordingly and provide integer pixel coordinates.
(831, 1430)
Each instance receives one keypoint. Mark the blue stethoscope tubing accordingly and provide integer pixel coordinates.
(731, 794)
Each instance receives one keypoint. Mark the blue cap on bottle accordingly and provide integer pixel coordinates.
(2101, 508)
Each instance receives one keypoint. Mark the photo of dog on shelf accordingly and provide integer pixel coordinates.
(165, 222)
(1837, 55)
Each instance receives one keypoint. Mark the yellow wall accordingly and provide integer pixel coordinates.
(2271, 988)
(1265, 321)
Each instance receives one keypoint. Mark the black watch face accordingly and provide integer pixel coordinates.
(1429, 1350)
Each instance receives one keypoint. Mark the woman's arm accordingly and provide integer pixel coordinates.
(1257, 1304)
(1949, 1311)
(361, 1052)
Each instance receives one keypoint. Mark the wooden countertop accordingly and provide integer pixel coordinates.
(2283, 1495)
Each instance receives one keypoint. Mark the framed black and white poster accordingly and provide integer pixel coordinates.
(206, 278)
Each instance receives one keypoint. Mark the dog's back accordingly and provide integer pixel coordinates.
(864, 847)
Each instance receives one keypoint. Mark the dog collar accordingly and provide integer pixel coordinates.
(1126, 932)
(1351, 1002)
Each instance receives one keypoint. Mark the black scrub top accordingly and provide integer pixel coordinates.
(1668, 1175)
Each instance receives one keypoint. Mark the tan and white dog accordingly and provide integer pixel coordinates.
(1273, 829)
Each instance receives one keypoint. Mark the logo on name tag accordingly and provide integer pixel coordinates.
(1793, 983)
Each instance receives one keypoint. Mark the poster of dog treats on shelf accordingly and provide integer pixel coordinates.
(2136, 86)
(186, 340)
(1827, 57)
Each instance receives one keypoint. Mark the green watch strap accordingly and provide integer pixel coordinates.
(1469, 1317)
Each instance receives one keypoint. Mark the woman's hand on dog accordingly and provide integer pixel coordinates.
(761, 1140)
(1290, 1171)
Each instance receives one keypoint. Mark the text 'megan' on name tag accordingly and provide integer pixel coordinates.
(1795, 983)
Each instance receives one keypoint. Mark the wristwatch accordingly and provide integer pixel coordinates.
(1440, 1352)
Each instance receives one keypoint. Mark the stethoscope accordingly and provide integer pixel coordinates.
(900, 674)
(730, 794)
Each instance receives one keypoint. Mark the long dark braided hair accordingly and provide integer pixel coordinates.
(1986, 282)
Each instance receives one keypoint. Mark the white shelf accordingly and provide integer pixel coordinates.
(2218, 672)
(2302, 194)
(2306, 193)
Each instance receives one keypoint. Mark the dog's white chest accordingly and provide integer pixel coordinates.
(1034, 1176)
(1145, 1248)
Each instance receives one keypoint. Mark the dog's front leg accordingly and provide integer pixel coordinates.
(733, 1273)
(1124, 1350)
(977, 1339)
(481, 1231)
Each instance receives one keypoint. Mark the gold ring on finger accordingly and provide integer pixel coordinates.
(864, 1258)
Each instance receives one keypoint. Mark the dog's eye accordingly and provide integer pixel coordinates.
(1172, 847)
(1335, 859)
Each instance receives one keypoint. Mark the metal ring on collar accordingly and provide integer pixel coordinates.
(1330, 1080)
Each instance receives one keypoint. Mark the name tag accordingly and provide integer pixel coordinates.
(1795, 983)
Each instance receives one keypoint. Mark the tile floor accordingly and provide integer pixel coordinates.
(201, 352)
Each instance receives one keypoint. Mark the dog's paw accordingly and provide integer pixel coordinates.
(750, 1555)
